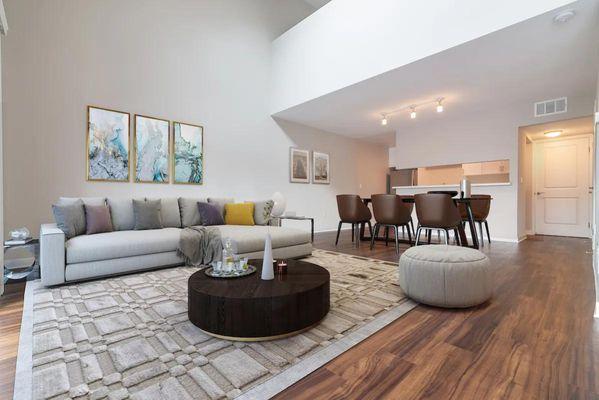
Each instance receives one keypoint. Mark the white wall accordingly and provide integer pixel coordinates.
(348, 41)
(481, 135)
(1, 177)
(206, 62)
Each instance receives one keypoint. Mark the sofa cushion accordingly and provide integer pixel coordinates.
(251, 238)
(219, 203)
(239, 214)
(190, 215)
(121, 213)
(70, 218)
(147, 214)
(91, 201)
(209, 215)
(97, 219)
(169, 212)
(262, 211)
(118, 244)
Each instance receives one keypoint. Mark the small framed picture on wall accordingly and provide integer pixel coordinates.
(299, 165)
(321, 168)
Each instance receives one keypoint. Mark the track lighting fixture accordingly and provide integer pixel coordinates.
(412, 107)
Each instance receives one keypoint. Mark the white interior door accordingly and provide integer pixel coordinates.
(563, 187)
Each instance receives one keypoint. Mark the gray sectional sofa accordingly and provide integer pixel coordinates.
(127, 250)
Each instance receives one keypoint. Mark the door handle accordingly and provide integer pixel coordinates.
(540, 193)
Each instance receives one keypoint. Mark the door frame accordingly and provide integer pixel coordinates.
(535, 145)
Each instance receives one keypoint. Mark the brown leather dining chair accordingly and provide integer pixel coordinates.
(481, 205)
(437, 211)
(352, 210)
(390, 211)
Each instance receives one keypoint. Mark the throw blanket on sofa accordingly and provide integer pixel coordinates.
(200, 245)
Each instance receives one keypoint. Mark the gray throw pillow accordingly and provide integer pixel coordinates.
(169, 212)
(121, 213)
(70, 218)
(147, 214)
(189, 211)
(219, 203)
(262, 210)
(97, 219)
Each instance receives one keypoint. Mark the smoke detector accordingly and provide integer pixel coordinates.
(564, 16)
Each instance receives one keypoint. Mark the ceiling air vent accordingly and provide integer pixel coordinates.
(550, 107)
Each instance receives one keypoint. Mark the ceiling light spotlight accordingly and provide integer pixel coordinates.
(552, 133)
(413, 112)
(384, 120)
(439, 105)
(564, 16)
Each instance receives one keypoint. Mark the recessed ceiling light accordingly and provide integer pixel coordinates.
(553, 133)
(564, 16)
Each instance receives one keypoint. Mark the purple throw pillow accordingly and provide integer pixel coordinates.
(209, 215)
(97, 219)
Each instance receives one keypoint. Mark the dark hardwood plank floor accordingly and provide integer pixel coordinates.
(536, 339)
(11, 309)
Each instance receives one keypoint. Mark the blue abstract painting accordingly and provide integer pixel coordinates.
(107, 145)
(189, 153)
(151, 150)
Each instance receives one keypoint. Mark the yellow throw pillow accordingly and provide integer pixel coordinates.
(239, 214)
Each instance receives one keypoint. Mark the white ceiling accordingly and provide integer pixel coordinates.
(569, 127)
(317, 3)
(530, 61)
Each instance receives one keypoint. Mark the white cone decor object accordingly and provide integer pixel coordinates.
(268, 272)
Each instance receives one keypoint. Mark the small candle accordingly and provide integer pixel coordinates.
(281, 267)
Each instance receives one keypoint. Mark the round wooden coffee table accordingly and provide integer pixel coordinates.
(250, 309)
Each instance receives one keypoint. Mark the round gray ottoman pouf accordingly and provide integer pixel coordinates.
(445, 276)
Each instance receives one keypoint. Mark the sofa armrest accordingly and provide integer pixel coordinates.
(52, 255)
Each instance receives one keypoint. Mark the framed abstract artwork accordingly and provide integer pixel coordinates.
(299, 165)
(151, 141)
(107, 145)
(188, 157)
(321, 168)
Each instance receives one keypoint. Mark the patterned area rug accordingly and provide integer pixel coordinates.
(129, 337)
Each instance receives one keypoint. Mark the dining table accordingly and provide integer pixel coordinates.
(466, 201)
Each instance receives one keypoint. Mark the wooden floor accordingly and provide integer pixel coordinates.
(536, 339)
(11, 307)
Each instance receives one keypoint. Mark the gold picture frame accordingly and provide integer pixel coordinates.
(91, 177)
(136, 178)
(174, 154)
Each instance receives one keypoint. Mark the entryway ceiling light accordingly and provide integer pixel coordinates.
(384, 120)
(552, 133)
(439, 105)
